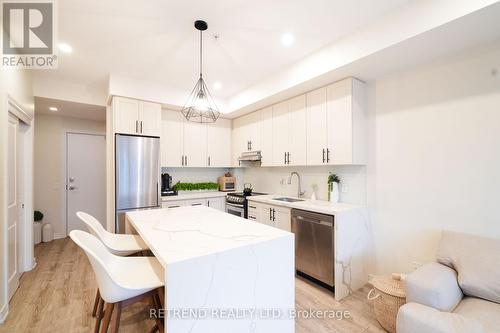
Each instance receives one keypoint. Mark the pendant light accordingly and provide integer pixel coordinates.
(200, 106)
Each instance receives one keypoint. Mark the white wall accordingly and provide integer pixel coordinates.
(18, 85)
(273, 180)
(434, 156)
(49, 164)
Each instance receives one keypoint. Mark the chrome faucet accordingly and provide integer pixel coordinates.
(299, 189)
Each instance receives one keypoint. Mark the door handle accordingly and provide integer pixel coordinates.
(71, 187)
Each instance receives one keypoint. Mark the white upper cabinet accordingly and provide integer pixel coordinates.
(281, 133)
(247, 134)
(126, 115)
(150, 118)
(132, 116)
(267, 137)
(172, 152)
(346, 123)
(297, 150)
(336, 124)
(219, 143)
(317, 127)
(195, 144)
(191, 144)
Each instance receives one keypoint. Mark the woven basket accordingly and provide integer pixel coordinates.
(388, 295)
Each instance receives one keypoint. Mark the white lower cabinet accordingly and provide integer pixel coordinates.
(274, 216)
(214, 202)
(217, 203)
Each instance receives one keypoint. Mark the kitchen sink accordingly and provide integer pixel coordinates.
(288, 199)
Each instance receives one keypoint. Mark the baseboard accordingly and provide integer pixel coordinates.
(58, 235)
(4, 312)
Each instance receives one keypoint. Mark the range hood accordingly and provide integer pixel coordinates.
(250, 156)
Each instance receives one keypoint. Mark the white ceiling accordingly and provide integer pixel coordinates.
(155, 40)
(70, 109)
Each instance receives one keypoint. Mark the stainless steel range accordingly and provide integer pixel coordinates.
(237, 204)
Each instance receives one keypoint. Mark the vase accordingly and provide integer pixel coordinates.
(333, 192)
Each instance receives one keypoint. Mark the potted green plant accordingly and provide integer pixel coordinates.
(37, 226)
(198, 187)
(333, 188)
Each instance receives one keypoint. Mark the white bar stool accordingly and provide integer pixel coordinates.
(122, 280)
(118, 244)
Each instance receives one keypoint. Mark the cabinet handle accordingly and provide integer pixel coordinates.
(270, 214)
(137, 126)
(141, 126)
(196, 204)
(288, 158)
(252, 217)
(285, 157)
(250, 144)
(208, 160)
(328, 155)
(252, 207)
(182, 160)
(274, 215)
(323, 155)
(186, 159)
(208, 203)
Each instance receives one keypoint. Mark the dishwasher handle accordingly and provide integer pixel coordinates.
(308, 220)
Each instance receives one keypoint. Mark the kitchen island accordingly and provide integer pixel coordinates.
(222, 273)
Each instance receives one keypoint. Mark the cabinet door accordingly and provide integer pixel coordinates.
(340, 122)
(316, 126)
(282, 218)
(267, 137)
(217, 203)
(219, 143)
(253, 211)
(281, 132)
(254, 130)
(239, 143)
(196, 202)
(171, 139)
(126, 115)
(195, 144)
(150, 119)
(265, 215)
(173, 204)
(298, 131)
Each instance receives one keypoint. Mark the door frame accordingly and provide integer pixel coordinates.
(64, 175)
(25, 237)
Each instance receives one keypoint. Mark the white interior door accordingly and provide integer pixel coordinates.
(85, 178)
(13, 206)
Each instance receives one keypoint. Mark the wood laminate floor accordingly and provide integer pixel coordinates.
(57, 296)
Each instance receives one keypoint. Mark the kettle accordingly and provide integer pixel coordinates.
(247, 189)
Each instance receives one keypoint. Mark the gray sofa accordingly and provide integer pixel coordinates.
(458, 293)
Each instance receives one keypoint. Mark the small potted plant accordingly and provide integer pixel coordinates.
(37, 226)
(333, 188)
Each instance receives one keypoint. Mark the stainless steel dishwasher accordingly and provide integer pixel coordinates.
(314, 248)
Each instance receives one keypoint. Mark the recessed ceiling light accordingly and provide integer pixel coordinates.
(53, 108)
(217, 85)
(65, 48)
(287, 39)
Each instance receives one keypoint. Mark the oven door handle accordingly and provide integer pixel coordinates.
(235, 205)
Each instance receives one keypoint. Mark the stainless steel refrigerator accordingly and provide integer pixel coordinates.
(137, 175)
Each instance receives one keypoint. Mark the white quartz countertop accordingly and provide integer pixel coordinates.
(195, 195)
(318, 206)
(177, 234)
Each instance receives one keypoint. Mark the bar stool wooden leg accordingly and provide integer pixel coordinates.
(96, 303)
(116, 318)
(107, 317)
(99, 315)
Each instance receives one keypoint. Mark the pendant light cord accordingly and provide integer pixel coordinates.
(201, 53)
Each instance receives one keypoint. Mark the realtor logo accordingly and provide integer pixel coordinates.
(28, 34)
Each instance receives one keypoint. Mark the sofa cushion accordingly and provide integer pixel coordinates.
(485, 312)
(476, 260)
(434, 285)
